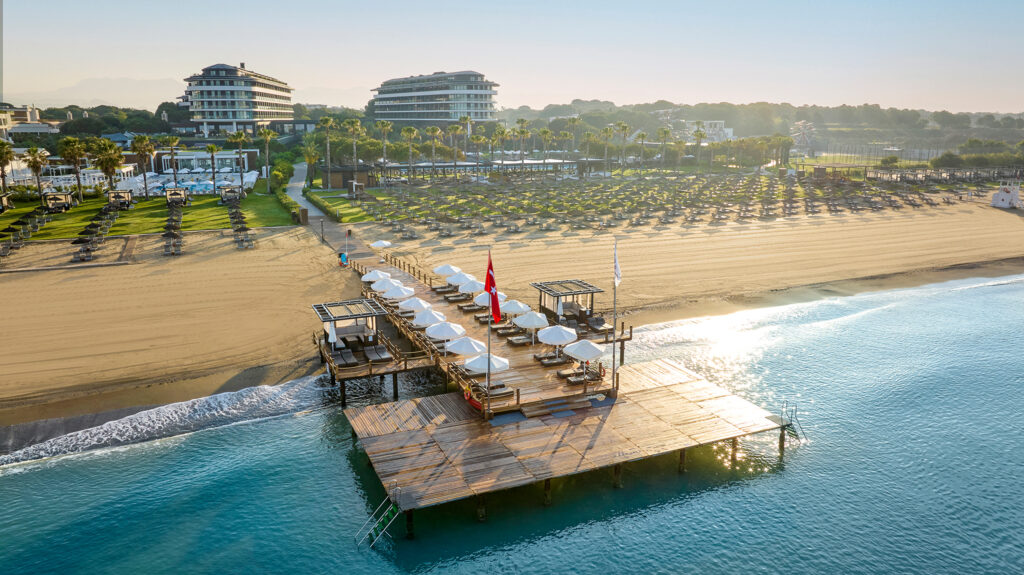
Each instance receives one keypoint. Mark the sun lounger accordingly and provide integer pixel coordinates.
(348, 359)
(471, 307)
(443, 289)
(569, 372)
(553, 361)
(371, 355)
(592, 375)
(383, 353)
(510, 331)
(545, 355)
(520, 340)
(452, 298)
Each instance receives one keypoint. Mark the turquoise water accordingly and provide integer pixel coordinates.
(910, 400)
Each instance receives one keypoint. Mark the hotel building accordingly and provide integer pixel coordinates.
(231, 98)
(442, 97)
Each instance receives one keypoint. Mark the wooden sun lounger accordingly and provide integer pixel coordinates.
(371, 355)
(348, 359)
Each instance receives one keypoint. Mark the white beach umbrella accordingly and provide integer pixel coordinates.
(479, 363)
(514, 307)
(445, 330)
(384, 285)
(556, 335)
(380, 244)
(485, 298)
(531, 320)
(466, 346)
(427, 318)
(471, 286)
(414, 304)
(584, 350)
(399, 292)
(447, 270)
(459, 278)
(375, 275)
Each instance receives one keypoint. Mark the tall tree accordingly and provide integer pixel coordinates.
(384, 127)
(564, 136)
(454, 130)
(35, 159)
(698, 135)
(327, 123)
(410, 135)
(172, 143)
(478, 140)
(623, 129)
(588, 137)
(522, 133)
(664, 134)
(266, 134)
(607, 133)
(468, 123)
(143, 148)
(310, 153)
(72, 150)
(499, 136)
(7, 156)
(239, 138)
(642, 136)
(545, 136)
(212, 149)
(108, 158)
(432, 132)
(355, 130)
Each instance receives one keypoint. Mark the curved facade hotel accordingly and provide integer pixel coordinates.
(231, 98)
(437, 98)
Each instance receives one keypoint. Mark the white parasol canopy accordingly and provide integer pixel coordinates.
(375, 275)
(514, 307)
(471, 286)
(384, 285)
(447, 270)
(380, 244)
(414, 304)
(427, 317)
(531, 320)
(479, 363)
(556, 335)
(485, 298)
(584, 350)
(460, 278)
(399, 292)
(445, 330)
(466, 346)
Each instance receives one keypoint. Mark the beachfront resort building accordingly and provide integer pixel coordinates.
(438, 98)
(232, 98)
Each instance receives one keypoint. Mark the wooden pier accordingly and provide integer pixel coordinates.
(435, 450)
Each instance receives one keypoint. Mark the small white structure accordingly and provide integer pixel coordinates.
(1007, 196)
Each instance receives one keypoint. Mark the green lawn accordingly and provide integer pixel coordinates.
(149, 216)
(346, 209)
(9, 216)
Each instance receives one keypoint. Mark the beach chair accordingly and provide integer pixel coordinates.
(348, 359)
(455, 297)
(519, 340)
(176, 249)
(554, 361)
(509, 331)
(383, 353)
(371, 355)
(167, 249)
(569, 372)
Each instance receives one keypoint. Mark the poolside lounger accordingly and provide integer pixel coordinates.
(569, 372)
(551, 362)
(510, 331)
(592, 375)
(520, 340)
(545, 355)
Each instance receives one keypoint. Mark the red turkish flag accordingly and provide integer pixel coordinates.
(492, 288)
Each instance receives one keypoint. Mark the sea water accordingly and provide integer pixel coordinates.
(911, 460)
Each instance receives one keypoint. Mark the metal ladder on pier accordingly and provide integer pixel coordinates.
(376, 526)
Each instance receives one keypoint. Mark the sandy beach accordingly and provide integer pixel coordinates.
(161, 329)
(152, 330)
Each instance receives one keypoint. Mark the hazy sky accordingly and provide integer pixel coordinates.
(960, 56)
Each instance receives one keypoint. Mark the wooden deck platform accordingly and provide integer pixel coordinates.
(438, 449)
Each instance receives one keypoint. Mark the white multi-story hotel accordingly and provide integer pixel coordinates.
(231, 98)
(437, 98)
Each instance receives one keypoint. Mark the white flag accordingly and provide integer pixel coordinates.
(618, 272)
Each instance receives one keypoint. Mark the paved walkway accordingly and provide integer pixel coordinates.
(294, 191)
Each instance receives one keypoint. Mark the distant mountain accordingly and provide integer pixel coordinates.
(121, 92)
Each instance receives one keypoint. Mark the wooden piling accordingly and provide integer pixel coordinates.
(617, 476)
(782, 441)
(547, 492)
(735, 448)
(682, 460)
(344, 397)
(394, 385)
(409, 533)
(481, 509)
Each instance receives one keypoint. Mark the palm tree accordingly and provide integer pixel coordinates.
(384, 127)
(477, 140)
(454, 130)
(73, 151)
(355, 130)
(564, 137)
(468, 122)
(266, 134)
(7, 156)
(410, 134)
(587, 138)
(498, 137)
(172, 142)
(522, 133)
(642, 136)
(240, 138)
(545, 138)
(699, 134)
(664, 134)
(327, 123)
(212, 149)
(432, 132)
(607, 133)
(108, 158)
(310, 153)
(622, 128)
(35, 159)
(143, 148)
